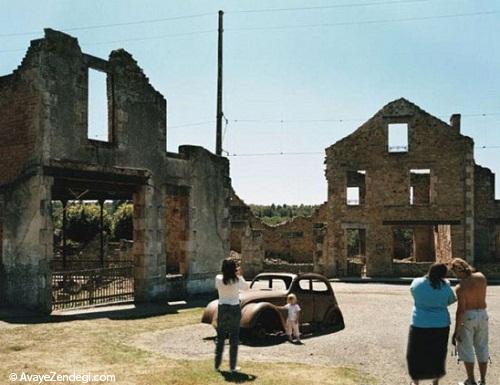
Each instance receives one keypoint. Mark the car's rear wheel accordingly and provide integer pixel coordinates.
(334, 321)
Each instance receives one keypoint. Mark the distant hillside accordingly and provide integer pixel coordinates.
(275, 214)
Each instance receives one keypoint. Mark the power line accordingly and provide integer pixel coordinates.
(283, 153)
(326, 120)
(321, 7)
(282, 27)
(193, 124)
(376, 21)
(275, 153)
(100, 26)
(199, 15)
(131, 39)
(151, 37)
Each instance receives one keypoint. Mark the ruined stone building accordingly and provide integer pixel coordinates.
(405, 169)
(405, 186)
(181, 200)
(297, 242)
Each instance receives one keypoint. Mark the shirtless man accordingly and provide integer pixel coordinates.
(471, 326)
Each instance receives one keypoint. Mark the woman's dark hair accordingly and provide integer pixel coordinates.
(437, 273)
(229, 271)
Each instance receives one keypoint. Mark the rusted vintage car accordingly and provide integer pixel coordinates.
(259, 304)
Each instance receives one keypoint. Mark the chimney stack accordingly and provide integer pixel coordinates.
(455, 121)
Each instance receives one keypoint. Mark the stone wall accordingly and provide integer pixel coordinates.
(295, 240)
(299, 240)
(487, 216)
(47, 155)
(490, 269)
(177, 228)
(388, 181)
(410, 269)
(20, 107)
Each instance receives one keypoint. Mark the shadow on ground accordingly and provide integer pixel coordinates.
(127, 311)
(277, 338)
(238, 377)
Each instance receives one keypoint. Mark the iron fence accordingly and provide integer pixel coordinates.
(80, 264)
(90, 287)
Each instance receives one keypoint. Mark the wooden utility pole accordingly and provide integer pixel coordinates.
(220, 114)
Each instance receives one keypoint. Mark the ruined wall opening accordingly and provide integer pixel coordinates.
(419, 243)
(90, 234)
(403, 244)
(356, 243)
(397, 137)
(420, 187)
(98, 106)
(356, 251)
(356, 188)
(98, 244)
(176, 229)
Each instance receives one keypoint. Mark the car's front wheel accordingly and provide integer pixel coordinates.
(268, 321)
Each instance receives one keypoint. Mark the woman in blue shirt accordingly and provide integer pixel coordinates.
(430, 328)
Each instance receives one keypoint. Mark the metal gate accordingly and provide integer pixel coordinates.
(90, 287)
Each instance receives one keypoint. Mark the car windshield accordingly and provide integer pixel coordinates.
(273, 283)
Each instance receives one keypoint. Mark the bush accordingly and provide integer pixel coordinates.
(122, 222)
(83, 221)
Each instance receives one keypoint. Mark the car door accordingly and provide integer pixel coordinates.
(302, 289)
(323, 299)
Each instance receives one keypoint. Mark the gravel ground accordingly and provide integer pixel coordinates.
(377, 318)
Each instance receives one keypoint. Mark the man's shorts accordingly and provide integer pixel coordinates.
(474, 337)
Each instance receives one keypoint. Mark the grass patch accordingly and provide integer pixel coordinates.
(100, 346)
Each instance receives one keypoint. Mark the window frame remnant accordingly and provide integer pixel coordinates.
(355, 185)
(398, 142)
(95, 123)
(416, 195)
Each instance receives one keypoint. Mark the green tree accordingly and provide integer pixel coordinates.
(83, 221)
(123, 226)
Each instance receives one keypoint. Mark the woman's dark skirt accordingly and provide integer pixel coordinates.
(426, 353)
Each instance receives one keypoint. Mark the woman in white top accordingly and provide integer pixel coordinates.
(228, 284)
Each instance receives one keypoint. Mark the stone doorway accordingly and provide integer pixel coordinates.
(95, 277)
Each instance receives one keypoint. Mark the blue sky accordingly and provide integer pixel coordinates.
(279, 84)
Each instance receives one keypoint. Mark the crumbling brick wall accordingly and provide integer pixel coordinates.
(19, 105)
(294, 241)
(177, 228)
(433, 145)
(45, 139)
(487, 216)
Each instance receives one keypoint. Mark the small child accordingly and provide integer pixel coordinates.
(292, 321)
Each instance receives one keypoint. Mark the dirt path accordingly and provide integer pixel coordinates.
(377, 318)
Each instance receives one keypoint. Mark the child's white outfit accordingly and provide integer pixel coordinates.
(292, 321)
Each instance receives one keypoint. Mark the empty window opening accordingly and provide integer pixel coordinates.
(356, 243)
(420, 186)
(356, 187)
(398, 137)
(403, 246)
(416, 243)
(356, 252)
(353, 196)
(98, 127)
